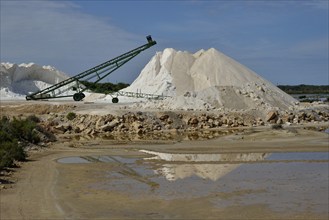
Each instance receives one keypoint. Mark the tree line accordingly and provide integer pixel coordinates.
(305, 89)
(290, 89)
(104, 87)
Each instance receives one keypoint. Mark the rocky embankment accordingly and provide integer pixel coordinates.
(70, 120)
(147, 122)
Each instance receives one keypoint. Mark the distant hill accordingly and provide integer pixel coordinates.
(305, 89)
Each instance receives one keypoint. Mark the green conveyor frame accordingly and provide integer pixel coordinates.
(98, 72)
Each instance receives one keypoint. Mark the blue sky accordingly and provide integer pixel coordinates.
(286, 42)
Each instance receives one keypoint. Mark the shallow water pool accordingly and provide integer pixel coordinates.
(292, 182)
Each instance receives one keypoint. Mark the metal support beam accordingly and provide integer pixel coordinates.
(101, 71)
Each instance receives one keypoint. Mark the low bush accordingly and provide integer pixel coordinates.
(33, 118)
(15, 134)
(71, 115)
(24, 130)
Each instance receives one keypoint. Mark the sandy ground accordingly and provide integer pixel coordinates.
(46, 189)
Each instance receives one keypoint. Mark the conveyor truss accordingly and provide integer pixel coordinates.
(95, 74)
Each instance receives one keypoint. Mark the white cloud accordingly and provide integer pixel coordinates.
(59, 34)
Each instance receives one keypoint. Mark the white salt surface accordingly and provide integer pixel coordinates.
(175, 103)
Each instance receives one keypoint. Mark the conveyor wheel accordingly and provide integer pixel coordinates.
(78, 96)
(115, 100)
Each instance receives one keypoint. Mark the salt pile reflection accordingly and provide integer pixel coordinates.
(205, 166)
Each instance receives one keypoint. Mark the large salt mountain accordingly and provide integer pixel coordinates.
(210, 76)
(19, 80)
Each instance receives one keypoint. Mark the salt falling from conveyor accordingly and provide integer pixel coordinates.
(209, 76)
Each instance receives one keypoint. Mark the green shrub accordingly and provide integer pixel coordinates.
(71, 115)
(24, 130)
(10, 151)
(14, 134)
(33, 118)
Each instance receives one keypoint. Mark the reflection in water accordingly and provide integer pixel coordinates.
(213, 172)
(284, 182)
(72, 160)
(231, 157)
(166, 136)
(200, 164)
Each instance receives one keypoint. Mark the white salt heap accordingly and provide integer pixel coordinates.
(210, 78)
(201, 81)
(19, 80)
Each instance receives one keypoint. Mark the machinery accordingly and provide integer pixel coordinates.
(95, 74)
